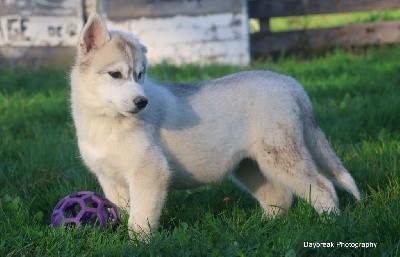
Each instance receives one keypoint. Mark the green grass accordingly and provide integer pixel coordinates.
(356, 98)
(279, 24)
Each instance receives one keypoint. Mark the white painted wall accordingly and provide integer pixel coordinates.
(213, 38)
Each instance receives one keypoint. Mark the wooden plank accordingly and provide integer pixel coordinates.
(355, 35)
(279, 8)
(125, 9)
(221, 37)
(40, 7)
(39, 56)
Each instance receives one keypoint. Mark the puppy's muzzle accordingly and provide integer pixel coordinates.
(140, 102)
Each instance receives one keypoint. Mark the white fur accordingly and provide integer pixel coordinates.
(258, 127)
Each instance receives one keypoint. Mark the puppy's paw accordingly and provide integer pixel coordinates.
(137, 233)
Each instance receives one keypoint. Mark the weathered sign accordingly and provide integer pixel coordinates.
(18, 30)
(39, 22)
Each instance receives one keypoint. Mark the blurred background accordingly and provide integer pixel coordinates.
(45, 32)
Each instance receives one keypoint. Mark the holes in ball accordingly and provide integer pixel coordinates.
(72, 210)
(110, 214)
(90, 218)
(107, 210)
(91, 204)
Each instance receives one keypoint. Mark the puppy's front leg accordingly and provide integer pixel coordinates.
(148, 186)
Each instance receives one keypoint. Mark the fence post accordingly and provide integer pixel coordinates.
(98, 6)
(264, 25)
(101, 7)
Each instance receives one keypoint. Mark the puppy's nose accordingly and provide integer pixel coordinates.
(140, 102)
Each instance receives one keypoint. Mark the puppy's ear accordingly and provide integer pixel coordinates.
(94, 34)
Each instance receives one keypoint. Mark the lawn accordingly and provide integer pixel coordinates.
(279, 24)
(356, 98)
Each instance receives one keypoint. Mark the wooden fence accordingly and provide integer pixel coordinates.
(37, 32)
(265, 41)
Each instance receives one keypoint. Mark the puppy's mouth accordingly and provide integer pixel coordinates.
(131, 113)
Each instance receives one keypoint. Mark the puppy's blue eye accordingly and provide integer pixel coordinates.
(115, 74)
(139, 76)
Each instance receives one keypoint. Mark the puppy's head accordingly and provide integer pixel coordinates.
(109, 71)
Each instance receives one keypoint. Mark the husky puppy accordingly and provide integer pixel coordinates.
(141, 137)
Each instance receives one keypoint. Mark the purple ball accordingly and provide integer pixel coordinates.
(84, 208)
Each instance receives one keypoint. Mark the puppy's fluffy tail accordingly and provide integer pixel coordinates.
(327, 160)
(330, 164)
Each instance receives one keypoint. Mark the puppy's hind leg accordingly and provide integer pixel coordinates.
(284, 159)
(274, 199)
